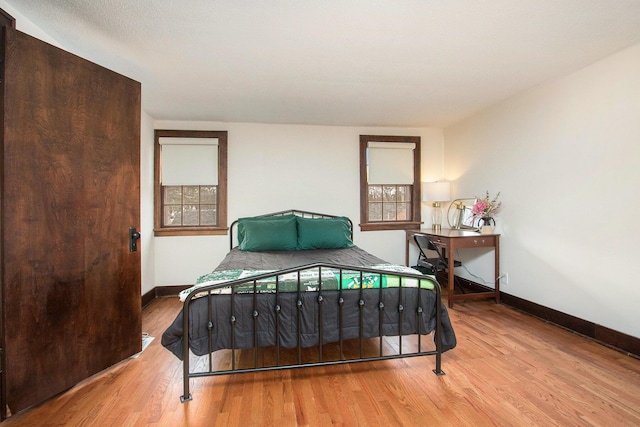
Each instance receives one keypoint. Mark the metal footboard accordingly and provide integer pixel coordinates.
(390, 307)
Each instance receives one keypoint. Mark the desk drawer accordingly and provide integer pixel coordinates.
(476, 242)
(439, 241)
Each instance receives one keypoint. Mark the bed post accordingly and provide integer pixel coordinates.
(186, 396)
(438, 331)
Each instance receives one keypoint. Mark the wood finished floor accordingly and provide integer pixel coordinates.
(509, 369)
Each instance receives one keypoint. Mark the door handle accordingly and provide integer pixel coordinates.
(134, 235)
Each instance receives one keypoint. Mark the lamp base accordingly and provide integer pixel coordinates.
(436, 217)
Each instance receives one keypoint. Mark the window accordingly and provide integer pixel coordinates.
(190, 182)
(389, 182)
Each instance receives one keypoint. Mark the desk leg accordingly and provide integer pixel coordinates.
(406, 252)
(450, 281)
(497, 269)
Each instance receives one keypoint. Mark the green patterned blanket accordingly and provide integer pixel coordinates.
(310, 280)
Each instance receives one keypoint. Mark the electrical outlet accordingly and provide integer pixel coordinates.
(505, 278)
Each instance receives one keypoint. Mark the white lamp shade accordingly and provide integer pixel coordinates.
(436, 191)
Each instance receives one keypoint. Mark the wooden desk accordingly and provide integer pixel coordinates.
(450, 240)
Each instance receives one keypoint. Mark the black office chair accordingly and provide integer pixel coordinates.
(433, 265)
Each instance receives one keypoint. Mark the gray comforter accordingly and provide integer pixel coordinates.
(255, 318)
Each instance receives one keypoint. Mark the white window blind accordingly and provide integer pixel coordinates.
(390, 162)
(189, 161)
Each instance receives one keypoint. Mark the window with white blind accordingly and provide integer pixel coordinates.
(191, 182)
(389, 182)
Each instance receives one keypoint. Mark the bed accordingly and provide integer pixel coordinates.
(294, 291)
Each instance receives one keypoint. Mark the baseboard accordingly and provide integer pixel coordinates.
(162, 291)
(609, 337)
(148, 297)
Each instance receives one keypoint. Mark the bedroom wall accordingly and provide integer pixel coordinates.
(146, 243)
(565, 157)
(275, 167)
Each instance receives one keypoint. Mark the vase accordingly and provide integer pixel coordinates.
(486, 225)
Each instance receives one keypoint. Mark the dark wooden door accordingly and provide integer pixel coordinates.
(71, 303)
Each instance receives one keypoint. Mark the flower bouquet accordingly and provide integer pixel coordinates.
(485, 208)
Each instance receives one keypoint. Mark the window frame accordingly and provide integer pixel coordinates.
(221, 228)
(415, 222)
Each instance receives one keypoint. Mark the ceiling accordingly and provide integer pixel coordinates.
(405, 63)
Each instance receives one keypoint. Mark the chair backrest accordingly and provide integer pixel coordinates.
(423, 243)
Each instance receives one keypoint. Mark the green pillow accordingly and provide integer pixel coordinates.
(269, 235)
(243, 221)
(324, 233)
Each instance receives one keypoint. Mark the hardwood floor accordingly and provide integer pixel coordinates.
(509, 369)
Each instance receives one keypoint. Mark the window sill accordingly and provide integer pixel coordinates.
(378, 226)
(190, 231)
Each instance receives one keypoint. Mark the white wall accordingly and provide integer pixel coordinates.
(146, 242)
(277, 167)
(566, 157)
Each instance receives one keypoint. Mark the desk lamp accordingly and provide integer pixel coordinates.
(436, 192)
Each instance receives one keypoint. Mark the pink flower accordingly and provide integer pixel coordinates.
(479, 208)
(486, 207)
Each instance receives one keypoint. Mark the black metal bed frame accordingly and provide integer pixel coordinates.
(321, 300)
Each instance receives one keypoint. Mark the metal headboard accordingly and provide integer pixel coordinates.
(304, 214)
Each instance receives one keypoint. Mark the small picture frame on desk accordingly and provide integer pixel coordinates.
(460, 215)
